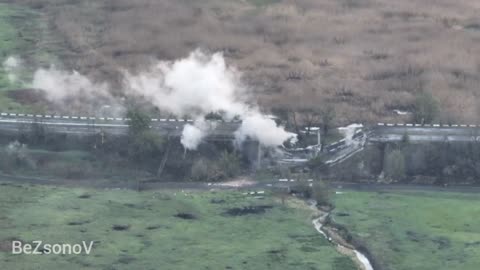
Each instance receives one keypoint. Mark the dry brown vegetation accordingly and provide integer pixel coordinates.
(366, 57)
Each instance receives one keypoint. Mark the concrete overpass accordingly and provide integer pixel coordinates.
(382, 132)
(334, 153)
(342, 150)
(15, 123)
(424, 133)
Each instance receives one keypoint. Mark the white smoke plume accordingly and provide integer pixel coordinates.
(60, 84)
(76, 92)
(12, 66)
(192, 135)
(265, 130)
(196, 85)
(201, 84)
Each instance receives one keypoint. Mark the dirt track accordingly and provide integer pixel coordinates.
(151, 185)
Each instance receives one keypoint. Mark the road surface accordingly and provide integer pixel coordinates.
(85, 125)
(220, 130)
(424, 133)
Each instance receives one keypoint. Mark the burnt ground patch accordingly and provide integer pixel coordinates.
(85, 196)
(278, 254)
(156, 227)
(117, 227)
(78, 223)
(247, 210)
(217, 201)
(186, 216)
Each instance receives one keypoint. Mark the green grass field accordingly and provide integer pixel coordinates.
(415, 230)
(280, 238)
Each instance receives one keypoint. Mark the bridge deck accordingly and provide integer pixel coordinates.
(425, 133)
(382, 132)
(91, 125)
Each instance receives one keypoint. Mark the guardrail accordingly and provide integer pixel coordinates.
(93, 118)
(427, 125)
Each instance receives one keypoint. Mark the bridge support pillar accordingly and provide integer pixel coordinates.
(253, 153)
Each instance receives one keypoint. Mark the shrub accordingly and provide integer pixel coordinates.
(226, 166)
(426, 108)
(302, 189)
(282, 193)
(138, 121)
(317, 165)
(229, 163)
(321, 193)
(16, 156)
(395, 165)
(144, 143)
(38, 134)
(405, 140)
(284, 172)
(200, 170)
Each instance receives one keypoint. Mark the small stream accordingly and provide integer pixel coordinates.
(317, 223)
(364, 260)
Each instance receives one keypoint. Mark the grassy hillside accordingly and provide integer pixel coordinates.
(366, 57)
(415, 230)
(161, 230)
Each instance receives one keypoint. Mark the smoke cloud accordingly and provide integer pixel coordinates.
(76, 92)
(194, 86)
(192, 135)
(12, 66)
(265, 130)
(201, 84)
(60, 85)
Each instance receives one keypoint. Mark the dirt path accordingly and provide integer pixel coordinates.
(246, 183)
